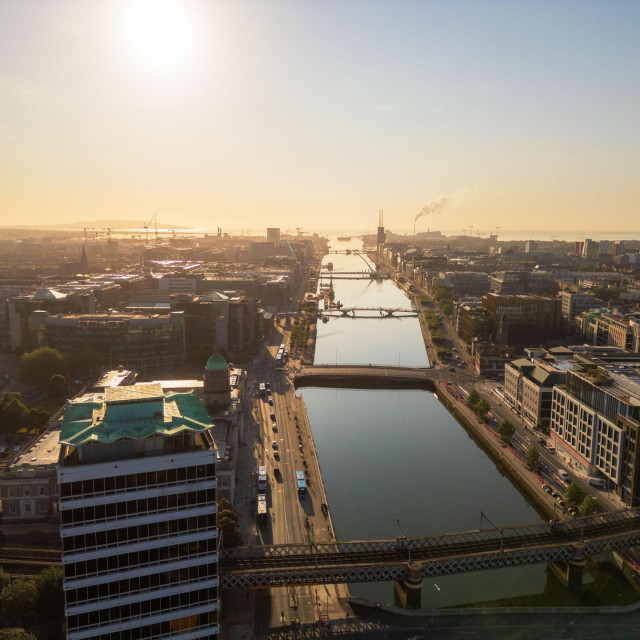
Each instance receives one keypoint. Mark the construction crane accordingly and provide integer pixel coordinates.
(146, 228)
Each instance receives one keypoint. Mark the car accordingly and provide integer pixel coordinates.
(554, 494)
(274, 426)
(272, 416)
(274, 444)
(268, 386)
(547, 488)
(561, 502)
(271, 402)
(276, 454)
(452, 370)
(542, 441)
(564, 475)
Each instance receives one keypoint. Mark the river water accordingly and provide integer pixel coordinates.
(399, 455)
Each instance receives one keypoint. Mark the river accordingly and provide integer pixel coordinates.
(389, 456)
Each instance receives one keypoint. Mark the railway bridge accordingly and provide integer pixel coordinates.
(387, 560)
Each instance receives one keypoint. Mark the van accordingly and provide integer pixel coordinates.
(597, 482)
(564, 475)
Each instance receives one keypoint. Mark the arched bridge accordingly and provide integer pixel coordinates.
(385, 560)
(373, 377)
(367, 312)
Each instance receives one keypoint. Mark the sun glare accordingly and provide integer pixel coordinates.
(159, 34)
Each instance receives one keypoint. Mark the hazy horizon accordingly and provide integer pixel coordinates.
(516, 115)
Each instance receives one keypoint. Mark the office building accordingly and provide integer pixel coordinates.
(138, 516)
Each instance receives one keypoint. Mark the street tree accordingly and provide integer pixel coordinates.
(482, 407)
(533, 457)
(506, 430)
(574, 494)
(16, 634)
(473, 398)
(49, 605)
(589, 506)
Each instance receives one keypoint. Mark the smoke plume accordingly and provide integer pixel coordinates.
(434, 206)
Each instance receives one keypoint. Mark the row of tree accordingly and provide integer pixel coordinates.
(478, 404)
(577, 497)
(33, 606)
(443, 298)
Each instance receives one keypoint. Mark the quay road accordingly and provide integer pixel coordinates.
(292, 520)
(385, 560)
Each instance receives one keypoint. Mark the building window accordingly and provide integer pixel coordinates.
(27, 507)
(12, 509)
(43, 508)
(42, 491)
(27, 491)
(12, 493)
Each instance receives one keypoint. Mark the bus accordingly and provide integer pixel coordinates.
(263, 483)
(302, 484)
(262, 389)
(262, 513)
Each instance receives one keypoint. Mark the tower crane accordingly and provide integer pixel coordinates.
(146, 228)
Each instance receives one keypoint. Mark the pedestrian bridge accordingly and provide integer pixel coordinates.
(374, 377)
(386, 560)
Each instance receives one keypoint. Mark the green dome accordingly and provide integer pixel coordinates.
(216, 363)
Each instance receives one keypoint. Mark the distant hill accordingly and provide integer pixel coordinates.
(98, 224)
(113, 224)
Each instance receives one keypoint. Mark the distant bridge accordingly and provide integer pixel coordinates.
(355, 275)
(378, 312)
(373, 377)
(386, 560)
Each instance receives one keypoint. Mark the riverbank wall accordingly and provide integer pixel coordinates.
(527, 482)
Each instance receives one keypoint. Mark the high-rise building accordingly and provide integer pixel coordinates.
(138, 516)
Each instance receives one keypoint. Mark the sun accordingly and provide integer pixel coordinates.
(158, 34)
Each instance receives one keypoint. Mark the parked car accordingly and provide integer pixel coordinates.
(274, 426)
(274, 444)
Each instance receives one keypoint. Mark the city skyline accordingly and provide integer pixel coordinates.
(518, 115)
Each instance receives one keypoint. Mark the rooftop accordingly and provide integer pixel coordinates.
(139, 412)
(42, 454)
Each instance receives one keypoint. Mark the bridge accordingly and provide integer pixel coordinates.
(386, 560)
(378, 312)
(373, 377)
(355, 275)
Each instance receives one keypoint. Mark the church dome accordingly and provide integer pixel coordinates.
(216, 363)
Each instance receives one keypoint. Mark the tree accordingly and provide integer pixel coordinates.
(13, 414)
(37, 417)
(84, 364)
(482, 407)
(506, 430)
(589, 506)
(229, 531)
(57, 386)
(574, 494)
(473, 398)
(17, 603)
(49, 605)
(16, 634)
(36, 367)
(533, 457)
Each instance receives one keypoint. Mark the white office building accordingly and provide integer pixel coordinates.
(138, 516)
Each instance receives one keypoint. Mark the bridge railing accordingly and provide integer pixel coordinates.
(504, 537)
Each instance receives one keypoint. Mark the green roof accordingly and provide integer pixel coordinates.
(86, 420)
(216, 363)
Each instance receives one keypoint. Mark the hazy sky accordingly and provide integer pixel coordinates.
(317, 114)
